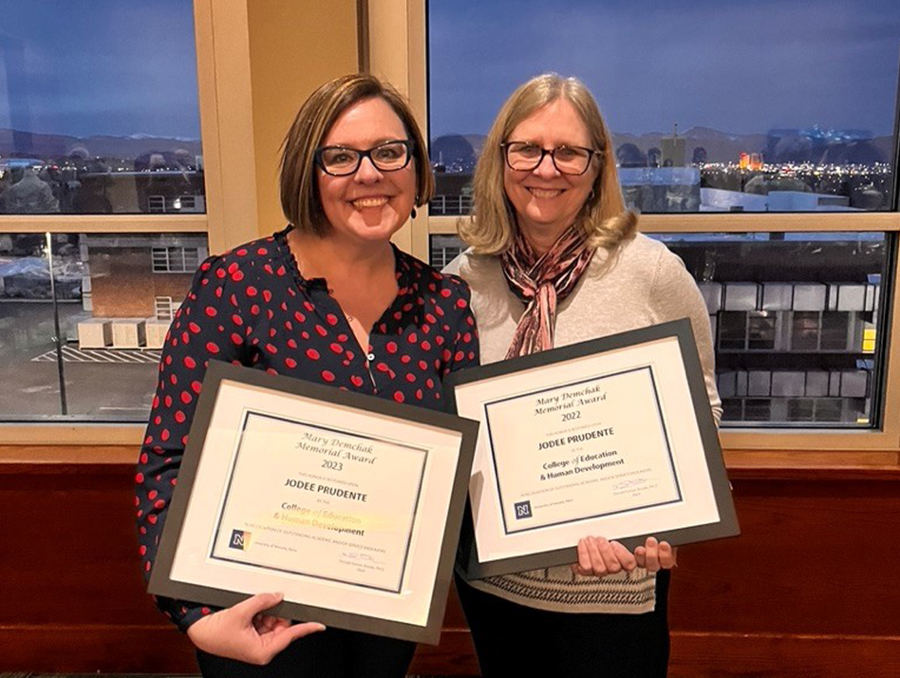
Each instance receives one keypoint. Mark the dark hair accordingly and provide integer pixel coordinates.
(300, 198)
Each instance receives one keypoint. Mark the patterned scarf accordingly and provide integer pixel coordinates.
(542, 282)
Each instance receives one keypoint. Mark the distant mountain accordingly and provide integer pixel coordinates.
(792, 146)
(719, 146)
(459, 152)
(46, 146)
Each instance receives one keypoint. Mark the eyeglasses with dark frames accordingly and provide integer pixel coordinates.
(340, 161)
(524, 156)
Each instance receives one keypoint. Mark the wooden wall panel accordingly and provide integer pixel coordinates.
(783, 656)
(809, 590)
(816, 557)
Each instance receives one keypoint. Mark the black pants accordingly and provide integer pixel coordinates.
(333, 653)
(514, 640)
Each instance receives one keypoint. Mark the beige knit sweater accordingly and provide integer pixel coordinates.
(641, 283)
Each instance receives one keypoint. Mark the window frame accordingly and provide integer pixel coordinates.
(164, 308)
(175, 259)
(395, 24)
(221, 38)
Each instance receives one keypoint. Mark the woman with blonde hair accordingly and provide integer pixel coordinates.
(555, 259)
(327, 299)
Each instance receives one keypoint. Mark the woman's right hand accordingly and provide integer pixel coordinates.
(244, 632)
(598, 557)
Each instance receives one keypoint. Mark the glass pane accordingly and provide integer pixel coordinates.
(98, 108)
(110, 309)
(715, 107)
(796, 322)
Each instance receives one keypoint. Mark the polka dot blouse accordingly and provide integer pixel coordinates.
(251, 306)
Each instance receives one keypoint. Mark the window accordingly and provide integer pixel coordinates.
(98, 131)
(444, 249)
(753, 147)
(713, 108)
(101, 185)
(59, 344)
(177, 259)
(795, 321)
(165, 308)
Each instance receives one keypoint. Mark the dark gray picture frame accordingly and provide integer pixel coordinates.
(726, 526)
(161, 582)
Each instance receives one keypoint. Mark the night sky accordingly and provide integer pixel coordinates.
(124, 67)
(85, 67)
(739, 67)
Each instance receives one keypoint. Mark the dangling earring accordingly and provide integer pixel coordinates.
(413, 214)
(415, 202)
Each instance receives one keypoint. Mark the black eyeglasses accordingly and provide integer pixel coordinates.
(524, 156)
(339, 161)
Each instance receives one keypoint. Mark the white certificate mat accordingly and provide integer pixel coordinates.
(322, 514)
(612, 437)
(350, 505)
(595, 458)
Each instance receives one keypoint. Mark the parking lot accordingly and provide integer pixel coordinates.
(103, 385)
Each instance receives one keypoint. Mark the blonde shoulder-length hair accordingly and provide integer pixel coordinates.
(492, 227)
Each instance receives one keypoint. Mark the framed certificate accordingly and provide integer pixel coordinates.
(611, 437)
(351, 505)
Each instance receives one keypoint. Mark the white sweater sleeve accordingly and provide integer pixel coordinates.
(675, 295)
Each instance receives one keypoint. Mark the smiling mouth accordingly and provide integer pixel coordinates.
(363, 203)
(545, 192)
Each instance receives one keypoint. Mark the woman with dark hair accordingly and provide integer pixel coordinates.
(330, 300)
(555, 259)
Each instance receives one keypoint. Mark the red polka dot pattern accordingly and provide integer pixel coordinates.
(251, 307)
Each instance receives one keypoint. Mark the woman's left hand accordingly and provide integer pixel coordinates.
(656, 555)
